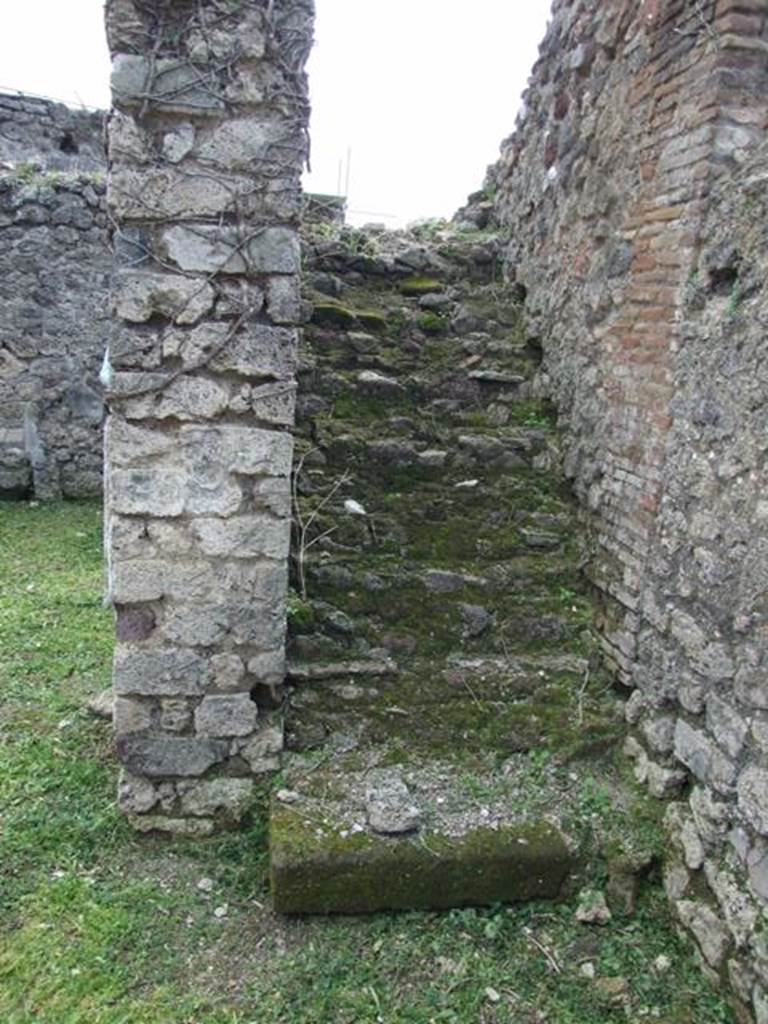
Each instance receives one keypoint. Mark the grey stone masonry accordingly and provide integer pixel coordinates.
(206, 143)
(54, 282)
(39, 132)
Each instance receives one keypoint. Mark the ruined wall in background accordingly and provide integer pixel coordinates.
(54, 316)
(50, 135)
(54, 270)
(207, 140)
(630, 195)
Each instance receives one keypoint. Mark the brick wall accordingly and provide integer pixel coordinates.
(640, 122)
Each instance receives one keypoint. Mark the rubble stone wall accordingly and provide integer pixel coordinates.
(37, 131)
(207, 140)
(54, 273)
(631, 195)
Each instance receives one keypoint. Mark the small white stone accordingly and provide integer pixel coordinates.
(221, 911)
(662, 963)
(492, 995)
(206, 885)
(287, 796)
(587, 970)
(354, 508)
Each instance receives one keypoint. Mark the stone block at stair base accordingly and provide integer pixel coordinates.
(322, 871)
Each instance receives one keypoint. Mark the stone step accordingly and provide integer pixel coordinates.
(417, 838)
(486, 705)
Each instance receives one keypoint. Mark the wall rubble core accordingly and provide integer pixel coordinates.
(630, 195)
(207, 140)
(54, 274)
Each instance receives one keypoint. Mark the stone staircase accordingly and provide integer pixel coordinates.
(446, 701)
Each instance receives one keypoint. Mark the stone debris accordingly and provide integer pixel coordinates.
(389, 806)
(592, 908)
(102, 705)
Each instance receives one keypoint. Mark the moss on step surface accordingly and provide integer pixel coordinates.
(335, 314)
(314, 871)
(420, 285)
(463, 570)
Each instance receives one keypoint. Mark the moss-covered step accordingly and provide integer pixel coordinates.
(365, 842)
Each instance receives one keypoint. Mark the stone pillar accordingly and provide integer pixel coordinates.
(207, 139)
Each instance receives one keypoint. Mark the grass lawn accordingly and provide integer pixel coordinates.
(101, 927)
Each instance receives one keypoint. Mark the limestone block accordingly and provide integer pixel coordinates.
(135, 794)
(159, 672)
(712, 816)
(124, 24)
(212, 344)
(207, 248)
(185, 398)
(738, 908)
(127, 537)
(759, 733)
(131, 715)
(192, 828)
(244, 142)
(210, 624)
(129, 444)
(140, 296)
(273, 403)
(760, 1004)
(659, 733)
(752, 680)
(268, 668)
(710, 933)
(752, 791)
(152, 195)
(757, 866)
(262, 752)
(154, 492)
(193, 625)
(164, 755)
(272, 494)
(198, 581)
(284, 300)
(175, 715)
(174, 86)
(663, 782)
(127, 140)
(726, 725)
(710, 658)
(216, 796)
(238, 296)
(226, 715)
(246, 40)
(676, 878)
(179, 142)
(247, 450)
(635, 706)
(249, 536)
(135, 581)
(699, 753)
(679, 823)
(228, 672)
(260, 351)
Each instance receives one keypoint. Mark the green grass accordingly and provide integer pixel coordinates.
(101, 927)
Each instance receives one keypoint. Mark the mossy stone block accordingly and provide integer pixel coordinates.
(335, 314)
(323, 871)
(421, 286)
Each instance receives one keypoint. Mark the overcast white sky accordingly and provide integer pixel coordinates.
(421, 91)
